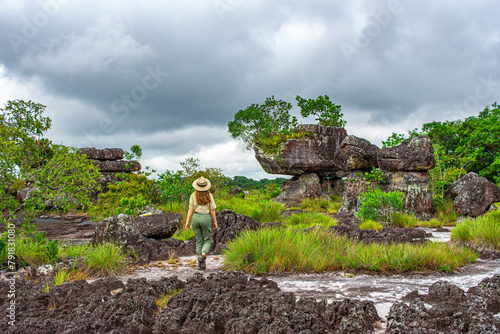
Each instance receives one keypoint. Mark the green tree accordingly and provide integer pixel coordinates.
(173, 187)
(327, 112)
(262, 120)
(471, 145)
(51, 173)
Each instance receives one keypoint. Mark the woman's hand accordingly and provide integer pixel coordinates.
(215, 225)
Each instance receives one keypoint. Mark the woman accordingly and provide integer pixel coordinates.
(201, 207)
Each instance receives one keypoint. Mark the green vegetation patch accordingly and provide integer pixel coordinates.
(105, 260)
(308, 219)
(286, 250)
(482, 231)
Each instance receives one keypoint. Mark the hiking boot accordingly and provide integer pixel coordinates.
(201, 263)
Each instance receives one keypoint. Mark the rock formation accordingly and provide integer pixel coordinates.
(110, 163)
(146, 239)
(313, 154)
(448, 309)
(473, 195)
(329, 156)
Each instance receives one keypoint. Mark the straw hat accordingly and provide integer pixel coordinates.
(201, 184)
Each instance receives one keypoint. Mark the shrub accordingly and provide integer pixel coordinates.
(127, 196)
(377, 204)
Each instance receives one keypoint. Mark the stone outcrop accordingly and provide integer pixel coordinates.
(222, 303)
(416, 187)
(110, 164)
(148, 238)
(313, 154)
(102, 154)
(234, 303)
(452, 311)
(332, 162)
(413, 154)
(299, 188)
(356, 153)
(473, 195)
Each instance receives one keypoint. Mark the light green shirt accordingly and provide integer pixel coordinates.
(201, 208)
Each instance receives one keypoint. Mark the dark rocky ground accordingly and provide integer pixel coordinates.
(231, 302)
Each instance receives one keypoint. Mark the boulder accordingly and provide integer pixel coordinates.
(237, 191)
(458, 186)
(159, 226)
(125, 230)
(473, 195)
(313, 154)
(102, 154)
(413, 154)
(299, 188)
(452, 311)
(118, 166)
(417, 190)
(356, 154)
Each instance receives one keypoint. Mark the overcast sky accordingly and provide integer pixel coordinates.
(169, 75)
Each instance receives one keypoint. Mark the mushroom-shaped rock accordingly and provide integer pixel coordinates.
(356, 153)
(413, 154)
(310, 154)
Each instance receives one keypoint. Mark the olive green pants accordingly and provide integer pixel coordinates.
(202, 226)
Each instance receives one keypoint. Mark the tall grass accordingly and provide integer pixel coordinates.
(445, 212)
(482, 231)
(308, 219)
(73, 251)
(404, 220)
(320, 205)
(105, 260)
(370, 225)
(285, 250)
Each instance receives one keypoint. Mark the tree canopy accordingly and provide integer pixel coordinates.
(270, 123)
(50, 173)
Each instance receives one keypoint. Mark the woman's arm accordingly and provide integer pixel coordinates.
(212, 212)
(190, 213)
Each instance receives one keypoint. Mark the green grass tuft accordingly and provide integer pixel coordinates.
(404, 220)
(105, 260)
(370, 225)
(482, 231)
